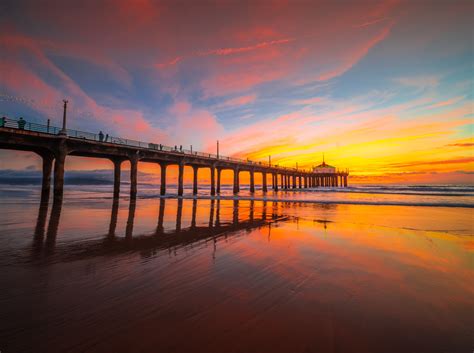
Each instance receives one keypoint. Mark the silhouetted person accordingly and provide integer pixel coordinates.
(106, 137)
(181, 148)
(101, 136)
(3, 121)
(21, 124)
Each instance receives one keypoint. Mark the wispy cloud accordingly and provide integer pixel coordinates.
(372, 22)
(226, 51)
(468, 144)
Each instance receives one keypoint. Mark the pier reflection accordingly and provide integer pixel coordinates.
(194, 221)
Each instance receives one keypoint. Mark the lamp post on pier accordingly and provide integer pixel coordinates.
(63, 130)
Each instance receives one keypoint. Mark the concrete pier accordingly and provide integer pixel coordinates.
(133, 176)
(264, 182)
(117, 174)
(46, 181)
(180, 178)
(236, 188)
(54, 150)
(163, 178)
(59, 161)
(213, 181)
(195, 180)
(219, 171)
(252, 181)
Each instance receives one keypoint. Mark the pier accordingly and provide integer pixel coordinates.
(55, 144)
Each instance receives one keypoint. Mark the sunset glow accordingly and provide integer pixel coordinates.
(383, 88)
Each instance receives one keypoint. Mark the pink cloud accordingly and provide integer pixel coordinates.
(192, 126)
(225, 51)
(24, 80)
(239, 101)
(419, 82)
(446, 102)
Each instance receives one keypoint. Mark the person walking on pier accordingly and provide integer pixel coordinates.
(106, 137)
(21, 124)
(101, 136)
(3, 121)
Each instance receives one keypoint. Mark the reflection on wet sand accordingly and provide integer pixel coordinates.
(114, 217)
(161, 238)
(140, 276)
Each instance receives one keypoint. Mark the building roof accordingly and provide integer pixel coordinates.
(324, 165)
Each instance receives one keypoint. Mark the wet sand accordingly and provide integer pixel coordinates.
(235, 276)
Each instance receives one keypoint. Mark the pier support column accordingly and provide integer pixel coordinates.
(219, 170)
(252, 181)
(195, 180)
(163, 179)
(300, 182)
(294, 181)
(117, 174)
(133, 176)
(59, 161)
(180, 178)
(345, 181)
(264, 182)
(275, 181)
(213, 181)
(46, 182)
(236, 181)
(282, 181)
(305, 181)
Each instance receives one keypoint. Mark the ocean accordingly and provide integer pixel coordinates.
(371, 268)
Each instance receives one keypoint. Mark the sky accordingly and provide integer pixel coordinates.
(383, 88)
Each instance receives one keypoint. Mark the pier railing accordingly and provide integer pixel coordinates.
(54, 130)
